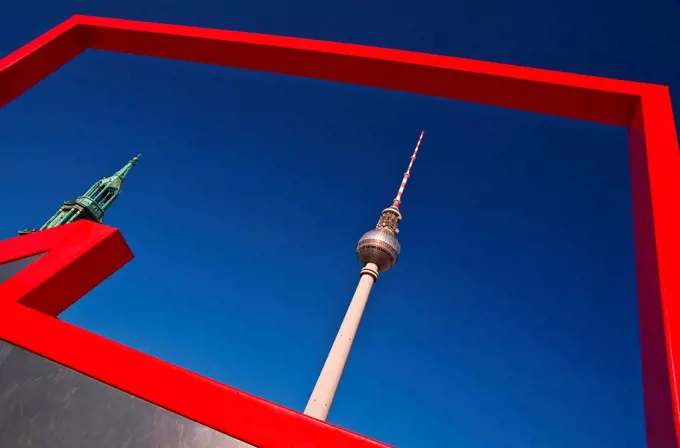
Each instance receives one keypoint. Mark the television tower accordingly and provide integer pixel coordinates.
(378, 250)
(93, 203)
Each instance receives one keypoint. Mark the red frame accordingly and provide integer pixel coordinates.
(645, 109)
(77, 258)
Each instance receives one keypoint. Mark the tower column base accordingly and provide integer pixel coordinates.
(319, 404)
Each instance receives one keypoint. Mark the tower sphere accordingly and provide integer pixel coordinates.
(379, 246)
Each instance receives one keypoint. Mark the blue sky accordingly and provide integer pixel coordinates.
(511, 318)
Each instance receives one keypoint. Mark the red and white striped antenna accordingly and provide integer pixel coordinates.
(407, 174)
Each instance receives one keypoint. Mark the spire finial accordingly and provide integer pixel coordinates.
(123, 172)
(407, 174)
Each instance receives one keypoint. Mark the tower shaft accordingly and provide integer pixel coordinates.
(319, 404)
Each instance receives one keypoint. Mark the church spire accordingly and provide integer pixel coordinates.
(93, 203)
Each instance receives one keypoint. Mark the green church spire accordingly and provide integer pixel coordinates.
(93, 203)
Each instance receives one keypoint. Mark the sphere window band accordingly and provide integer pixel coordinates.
(380, 247)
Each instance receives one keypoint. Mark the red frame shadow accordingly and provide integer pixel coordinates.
(30, 301)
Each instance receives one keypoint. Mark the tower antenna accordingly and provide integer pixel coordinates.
(407, 174)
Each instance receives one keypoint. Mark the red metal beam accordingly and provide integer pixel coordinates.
(575, 96)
